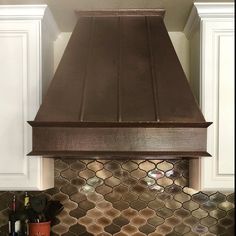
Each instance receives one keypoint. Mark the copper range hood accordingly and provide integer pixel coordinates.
(120, 91)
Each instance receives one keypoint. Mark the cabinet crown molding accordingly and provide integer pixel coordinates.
(207, 10)
(30, 12)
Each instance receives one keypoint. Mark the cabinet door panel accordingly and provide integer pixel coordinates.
(13, 111)
(20, 95)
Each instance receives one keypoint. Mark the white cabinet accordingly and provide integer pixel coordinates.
(211, 32)
(26, 66)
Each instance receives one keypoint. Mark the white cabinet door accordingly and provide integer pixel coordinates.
(20, 97)
(216, 95)
(217, 103)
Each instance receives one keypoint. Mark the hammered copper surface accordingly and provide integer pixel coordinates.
(131, 198)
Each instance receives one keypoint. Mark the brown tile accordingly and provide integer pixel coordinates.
(113, 213)
(77, 213)
(139, 234)
(190, 205)
(78, 182)
(130, 196)
(129, 229)
(85, 220)
(104, 234)
(121, 174)
(129, 213)
(199, 213)
(121, 205)
(200, 198)
(218, 214)
(209, 206)
(69, 189)
(86, 205)
(147, 213)
(172, 204)
(95, 213)
(147, 195)
(129, 166)
(191, 234)
(129, 181)
(147, 166)
(112, 228)
(59, 182)
(69, 174)
(60, 165)
(165, 166)
(182, 229)
(101, 205)
(172, 221)
(61, 197)
(121, 189)
(103, 221)
(217, 198)
(113, 197)
(230, 198)
(94, 229)
(191, 221)
(120, 221)
(60, 229)
(156, 204)
(226, 206)
(163, 229)
(226, 222)
(86, 174)
(155, 221)
(173, 189)
(138, 220)
(164, 212)
(182, 213)
(112, 165)
(69, 221)
(138, 188)
(77, 166)
(103, 174)
(138, 205)
(95, 197)
(217, 229)
(112, 181)
(138, 174)
(181, 181)
(146, 229)
(95, 166)
(78, 197)
(208, 221)
(103, 189)
(182, 197)
(70, 205)
(120, 234)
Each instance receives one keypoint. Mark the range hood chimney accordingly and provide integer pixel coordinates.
(120, 91)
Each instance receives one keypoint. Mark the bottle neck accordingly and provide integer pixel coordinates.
(13, 205)
(26, 201)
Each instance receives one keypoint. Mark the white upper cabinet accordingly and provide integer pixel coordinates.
(26, 67)
(210, 29)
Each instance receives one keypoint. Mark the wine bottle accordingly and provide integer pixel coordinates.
(14, 222)
(25, 217)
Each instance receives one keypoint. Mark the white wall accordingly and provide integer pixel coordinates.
(179, 40)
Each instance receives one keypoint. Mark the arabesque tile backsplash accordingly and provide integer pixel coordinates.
(131, 198)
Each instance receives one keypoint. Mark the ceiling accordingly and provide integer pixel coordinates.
(64, 10)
